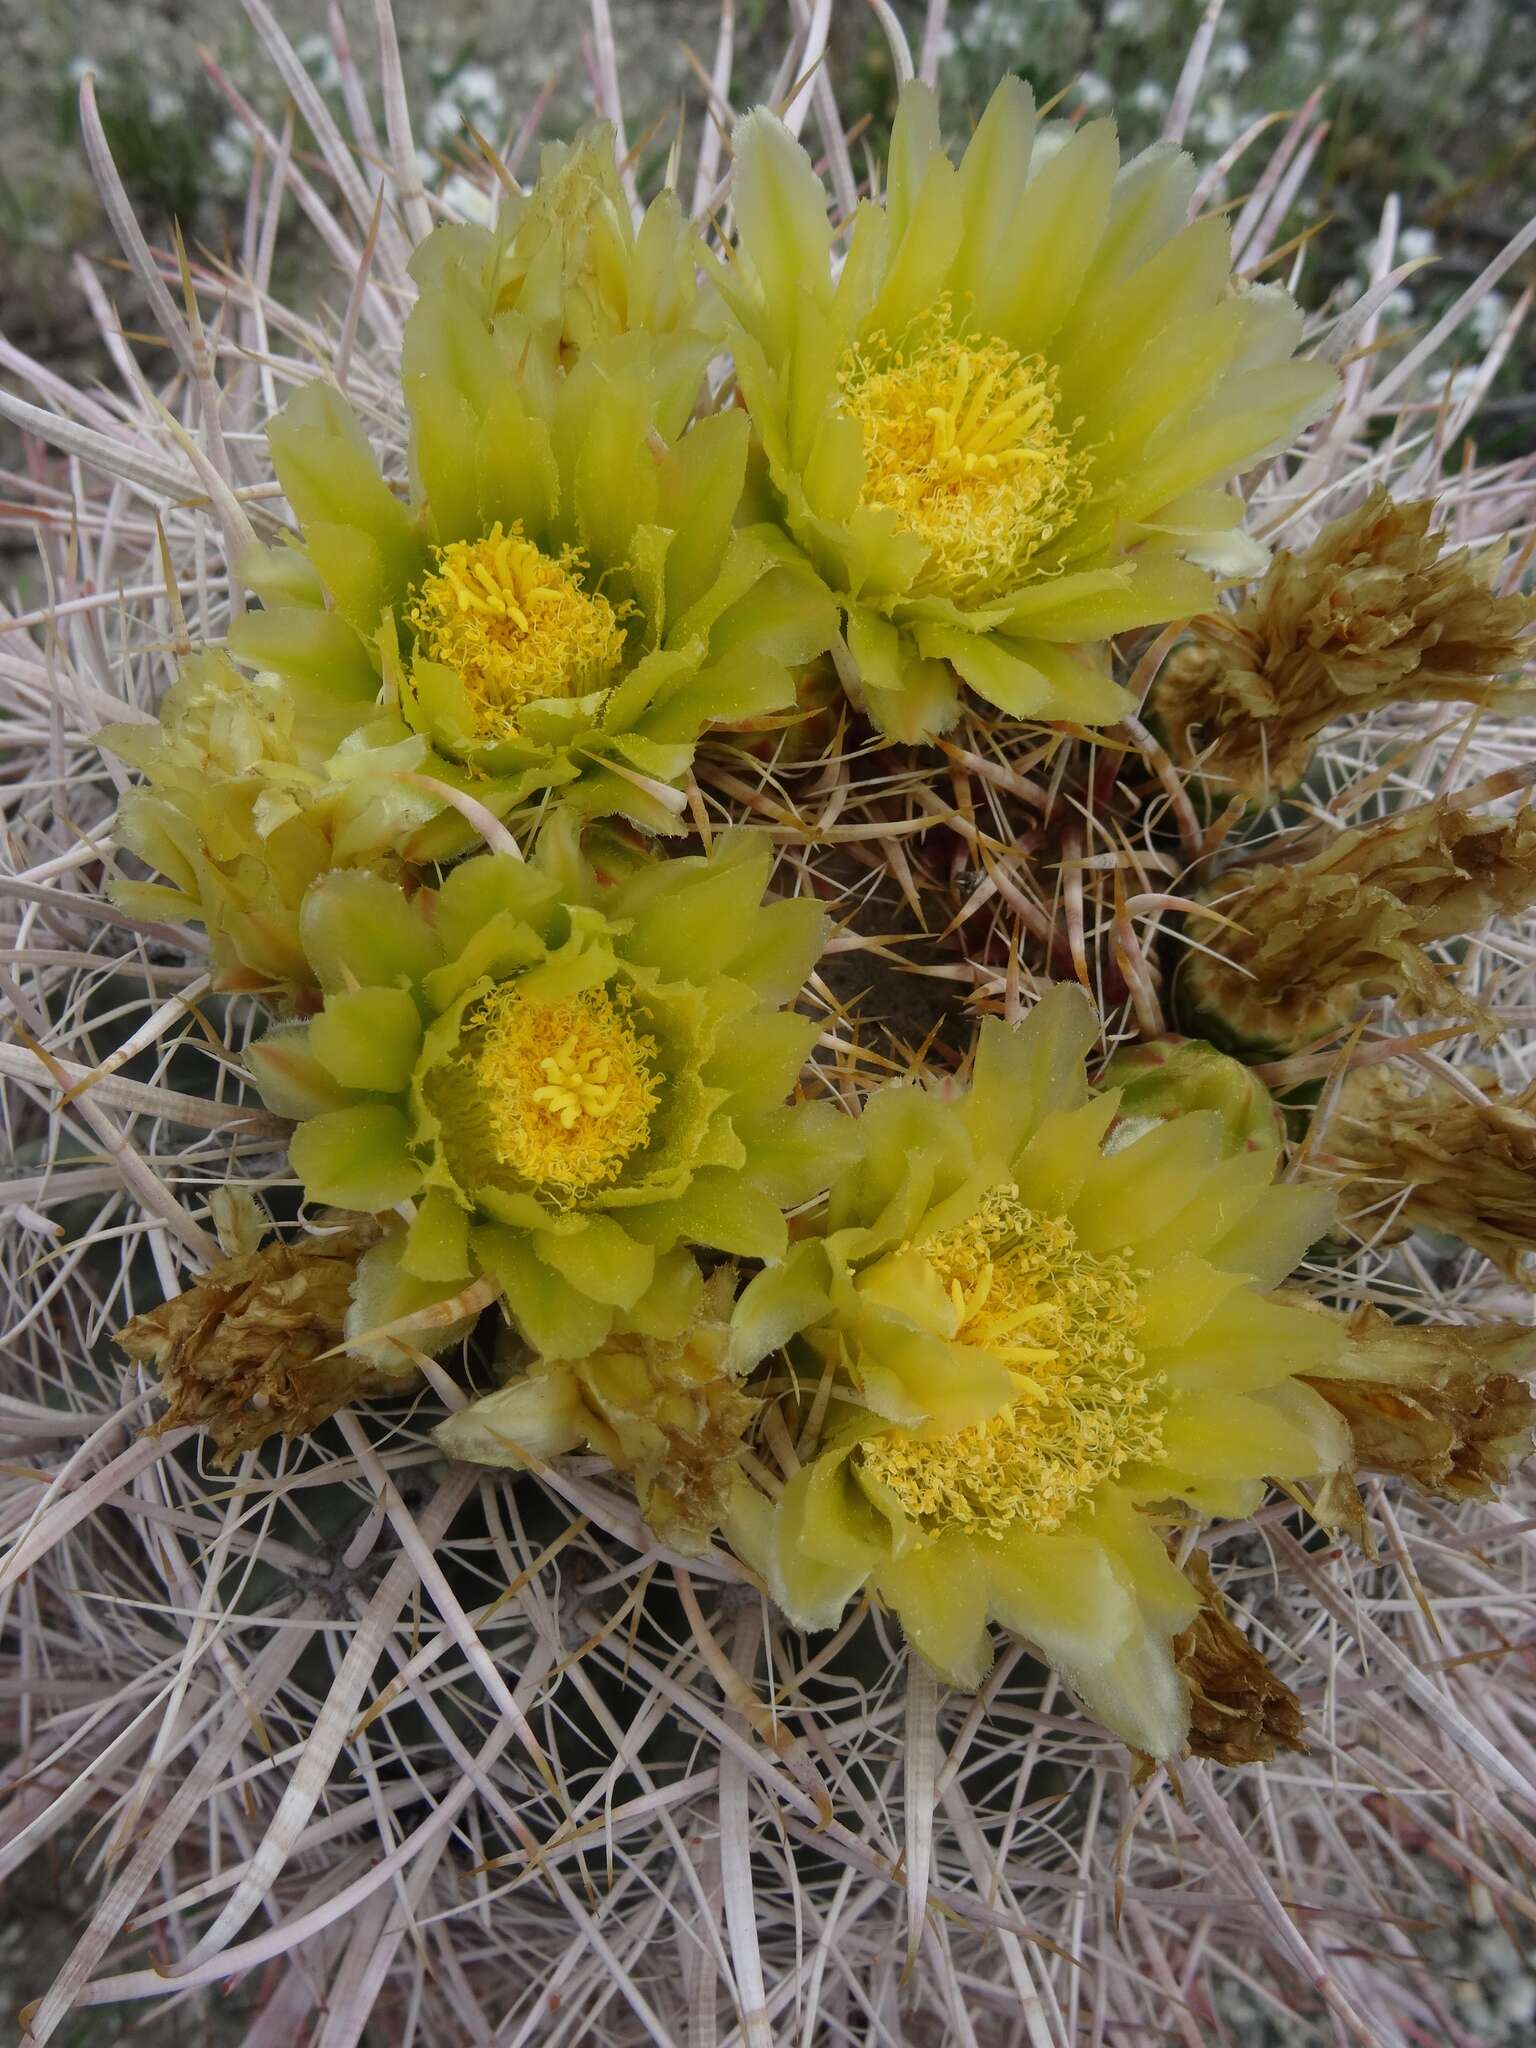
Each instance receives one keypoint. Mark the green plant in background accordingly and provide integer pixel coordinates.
(157, 134)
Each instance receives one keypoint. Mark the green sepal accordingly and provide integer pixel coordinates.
(368, 1038)
(554, 1319)
(359, 930)
(292, 1081)
(356, 1158)
(437, 1242)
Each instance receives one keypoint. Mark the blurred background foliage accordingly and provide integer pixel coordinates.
(1429, 100)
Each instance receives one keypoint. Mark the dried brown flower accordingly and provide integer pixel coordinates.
(668, 1411)
(1376, 611)
(1350, 918)
(1240, 1712)
(1442, 1405)
(242, 1352)
(1468, 1167)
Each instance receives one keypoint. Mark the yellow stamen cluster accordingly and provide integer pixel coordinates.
(1066, 1322)
(961, 442)
(567, 1088)
(515, 625)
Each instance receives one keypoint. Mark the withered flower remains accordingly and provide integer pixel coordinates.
(250, 1349)
(669, 1411)
(1317, 936)
(1239, 1711)
(1378, 610)
(1421, 1154)
(1445, 1406)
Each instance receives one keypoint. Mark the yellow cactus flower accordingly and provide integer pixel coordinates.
(1016, 1334)
(568, 1069)
(566, 603)
(555, 608)
(565, 268)
(998, 428)
(252, 791)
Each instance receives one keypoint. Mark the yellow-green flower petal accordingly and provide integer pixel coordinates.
(368, 1038)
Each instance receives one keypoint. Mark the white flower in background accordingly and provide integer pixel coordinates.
(469, 200)
(1231, 60)
(1093, 90)
(230, 152)
(471, 94)
(1219, 121)
(1487, 317)
(317, 54)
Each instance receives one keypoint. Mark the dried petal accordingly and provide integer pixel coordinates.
(1464, 1167)
(1376, 611)
(1239, 1711)
(1442, 1405)
(1351, 918)
(241, 1352)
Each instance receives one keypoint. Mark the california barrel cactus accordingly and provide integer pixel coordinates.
(771, 1232)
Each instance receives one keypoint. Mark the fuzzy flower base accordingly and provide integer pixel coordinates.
(521, 917)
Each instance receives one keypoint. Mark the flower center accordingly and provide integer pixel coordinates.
(515, 625)
(961, 442)
(1065, 1321)
(567, 1088)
